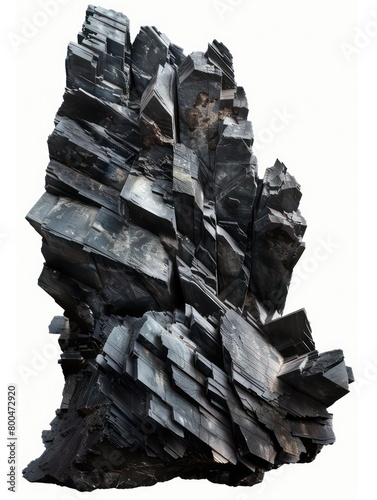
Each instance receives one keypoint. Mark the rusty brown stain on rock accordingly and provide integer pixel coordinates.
(153, 135)
(202, 100)
(213, 141)
(226, 113)
(193, 117)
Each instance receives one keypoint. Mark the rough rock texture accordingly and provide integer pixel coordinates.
(172, 262)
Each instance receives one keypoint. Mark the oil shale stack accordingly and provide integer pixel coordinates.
(172, 260)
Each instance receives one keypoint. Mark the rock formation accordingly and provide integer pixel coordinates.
(172, 260)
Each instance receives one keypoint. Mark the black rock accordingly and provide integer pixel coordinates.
(172, 262)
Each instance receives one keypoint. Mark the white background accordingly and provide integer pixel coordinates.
(307, 61)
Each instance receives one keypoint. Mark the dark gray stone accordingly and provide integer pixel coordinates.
(172, 260)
